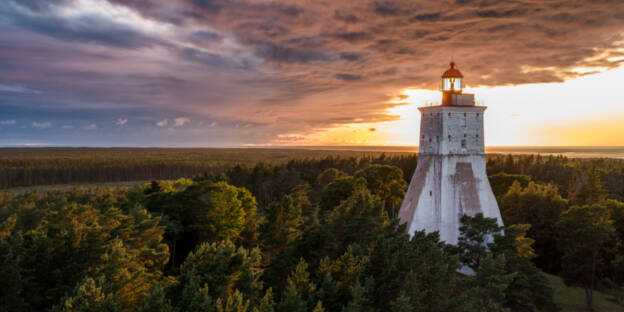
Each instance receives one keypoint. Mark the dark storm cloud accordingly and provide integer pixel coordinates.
(291, 66)
(88, 30)
(42, 5)
(416, 34)
(348, 77)
(84, 29)
(206, 37)
(281, 53)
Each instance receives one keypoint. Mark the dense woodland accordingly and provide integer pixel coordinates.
(315, 234)
(44, 166)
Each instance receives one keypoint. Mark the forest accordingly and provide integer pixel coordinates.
(64, 165)
(313, 234)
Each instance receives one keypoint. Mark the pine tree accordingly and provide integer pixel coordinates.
(401, 304)
(491, 281)
(90, 296)
(223, 269)
(583, 232)
(318, 307)
(233, 303)
(156, 301)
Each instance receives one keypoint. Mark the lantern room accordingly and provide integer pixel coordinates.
(452, 85)
(452, 80)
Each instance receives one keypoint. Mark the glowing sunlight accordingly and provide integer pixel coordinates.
(578, 112)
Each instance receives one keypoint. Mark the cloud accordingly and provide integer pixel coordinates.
(42, 125)
(163, 123)
(180, 121)
(33, 144)
(121, 121)
(67, 127)
(348, 77)
(90, 127)
(16, 89)
(7, 122)
(285, 66)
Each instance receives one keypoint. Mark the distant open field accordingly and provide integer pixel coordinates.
(572, 299)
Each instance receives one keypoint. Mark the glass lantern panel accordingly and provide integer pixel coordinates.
(446, 84)
(457, 85)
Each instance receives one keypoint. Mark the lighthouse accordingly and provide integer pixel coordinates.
(450, 179)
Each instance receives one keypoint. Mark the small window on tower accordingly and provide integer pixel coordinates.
(477, 135)
(463, 143)
(430, 193)
(464, 114)
(464, 135)
(429, 139)
(449, 114)
(423, 136)
(477, 114)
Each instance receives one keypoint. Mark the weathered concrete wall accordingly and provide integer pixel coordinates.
(451, 130)
(443, 188)
(450, 179)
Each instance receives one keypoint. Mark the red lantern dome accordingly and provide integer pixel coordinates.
(452, 72)
(452, 80)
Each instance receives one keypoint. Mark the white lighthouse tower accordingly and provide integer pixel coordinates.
(450, 179)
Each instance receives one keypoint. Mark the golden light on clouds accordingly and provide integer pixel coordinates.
(578, 112)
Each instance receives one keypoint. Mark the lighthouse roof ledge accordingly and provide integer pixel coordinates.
(453, 108)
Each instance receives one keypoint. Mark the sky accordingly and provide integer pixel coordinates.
(294, 72)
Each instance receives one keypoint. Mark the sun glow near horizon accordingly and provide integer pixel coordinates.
(584, 111)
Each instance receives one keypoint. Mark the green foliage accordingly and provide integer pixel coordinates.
(586, 188)
(90, 296)
(202, 211)
(616, 214)
(318, 307)
(505, 275)
(218, 211)
(283, 223)
(324, 233)
(501, 182)
(387, 183)
(418, 268)
(126, 277)
(156, 301)
(299, 280)
(224, 268)
(329, 175)
(475, 235)
(234, 303)
(491, 283)
(338, 190)
(11, 283)
(401, 304)
(540, 206)
(583, 233)
(30, 166)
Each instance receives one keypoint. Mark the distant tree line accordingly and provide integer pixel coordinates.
(44, 166)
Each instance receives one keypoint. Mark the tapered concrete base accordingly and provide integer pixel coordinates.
(442, 190)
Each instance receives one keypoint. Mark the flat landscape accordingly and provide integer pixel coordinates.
(21, 167)
(26, 167)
